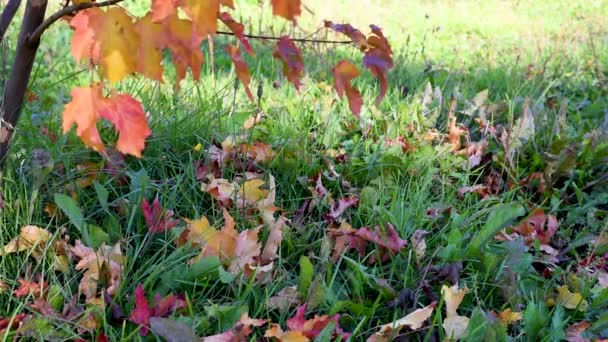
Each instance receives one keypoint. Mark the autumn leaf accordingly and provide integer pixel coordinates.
(346, 238)
(288, 9)
(106, 264)
(293, 63)
(454, 325)
(378, 59)
(344, 73)
(354, 34)
(158, 220)
(88, 106)
(240, 331)
(419, 244)
(149, 52)
(413, 321)
(239, 31)
(300, 329)
(30, 238)
(107, 39)
(142, 313)
(288, 296)
(241, 68)
(339, 207)
(203, 13)
(507, 316)
(570, 300)
(28, 287)
(537, 226)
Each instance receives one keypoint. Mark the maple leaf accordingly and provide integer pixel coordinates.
(300, 329)
(142, 313)
(203, 13)
(28, 287)
(106, 264)
(378, 60)
(241, 68)
(240, 331)
(88, 106)
(149, 52)
(30, 238)
(338, 208)
(355, 35)
(293, 63)
(346, 238)
(455, 326)
(158, 220)
(288, 9)
(344, 73)
(107, 39)
(239, 31)
(414, 320)
(212, 242)
(537, 226)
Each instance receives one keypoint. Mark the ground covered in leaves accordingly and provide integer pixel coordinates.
(471, 204)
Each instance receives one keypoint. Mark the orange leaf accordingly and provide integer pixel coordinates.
(227, 3)
(184, 46)
(238, 29)
(88, 105)
(288, 9)
(149, 54)
(241, 68)
(344, 73)
(378, 59)
(204, 15)
(107, 39)
(293, 63)
(162, 9)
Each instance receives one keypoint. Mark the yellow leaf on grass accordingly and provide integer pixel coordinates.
(570, 300)
(455, 326)
(29, 238)
(507, 316)
(413, 321)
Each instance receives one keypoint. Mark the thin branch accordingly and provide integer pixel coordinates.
(35, 36)
(7, 16)
(301, 40)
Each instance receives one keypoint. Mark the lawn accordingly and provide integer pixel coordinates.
(476, 192)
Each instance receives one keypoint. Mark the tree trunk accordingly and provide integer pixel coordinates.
(16, 85)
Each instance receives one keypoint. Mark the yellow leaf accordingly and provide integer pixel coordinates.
(455, 326)
(250, 191)
(570, 300)
(29, 237)
(507, 316)
(413, 321)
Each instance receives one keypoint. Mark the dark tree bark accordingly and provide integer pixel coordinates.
(16, 85)
(8, 13)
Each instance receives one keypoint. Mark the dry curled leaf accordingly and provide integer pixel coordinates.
(454, 325)
(413, 321)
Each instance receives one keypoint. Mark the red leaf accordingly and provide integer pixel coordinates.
(378, 59)
(344, 73)
(241, 68)
(88, 106)
(142, 312)
(238, 29)
(157, 219)
(355, 35)
(6, 322)
(27, 287)
(312, 328)
(340, 207)
(288, 9)
(390, 240)
(293, 63)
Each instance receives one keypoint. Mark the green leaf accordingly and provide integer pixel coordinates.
(535, 320)
(316, 293)
(499, 218)
(71, 209)
(325, 334)
(306, 274)
(97, 235)
(102, 195)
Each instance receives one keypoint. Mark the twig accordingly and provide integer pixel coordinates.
(7, 16)
(63, 12)
(301, 40)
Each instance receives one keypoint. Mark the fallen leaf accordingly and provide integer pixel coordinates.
(240, 331)
(301, 329)
(158, 220)
(574, 333)
(419, 243)
(454, 325)
(143, 313)
(106, 264)
(28, 287)
(288, 296)
(570, 300)
(172, 330)
(339, 207)
(413, 321)
(507, 316)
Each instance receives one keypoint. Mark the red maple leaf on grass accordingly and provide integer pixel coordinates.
(346, 237)
(142, 312)
(158, 220)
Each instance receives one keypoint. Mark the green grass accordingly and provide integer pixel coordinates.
(546, 52)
